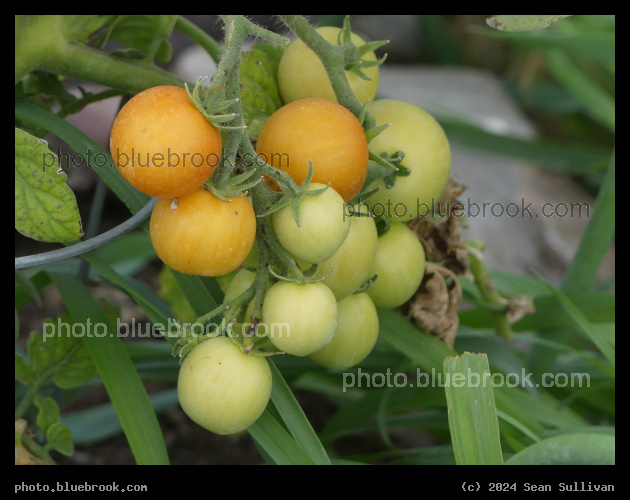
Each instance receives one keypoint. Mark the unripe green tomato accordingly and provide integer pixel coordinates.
(242, 281)
(301, 73)
(300, 318)
(324, 226)
(427, 155)
(225, 279)
(355, 336)
(221, 388)
(400, 264)
(252, 257)
(350, 266)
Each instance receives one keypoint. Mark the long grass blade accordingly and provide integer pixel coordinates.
(600, 104)
(597, 237)
(472, 413)
(295, 419)
(277, 442)
(121, 380)
(569, 449)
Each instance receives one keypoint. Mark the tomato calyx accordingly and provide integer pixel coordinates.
(219, 321)
(384, 167)
(301, 277)
(237, 186)
(383, 225)
(402, 171)
(216, 114)
(354, 56)
(289, 198)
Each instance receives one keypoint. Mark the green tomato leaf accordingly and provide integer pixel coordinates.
(45, 207)
(59, 438)
(79, 27)
(22, 371)
(41, 86)
(521, 23)
(259, 92)
(47, 90)
(48, 412)
(274, 52)
(59, 354)
(141, 32)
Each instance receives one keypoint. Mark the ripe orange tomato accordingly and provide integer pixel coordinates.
(202, 235)
(322, 131)
(162, 145)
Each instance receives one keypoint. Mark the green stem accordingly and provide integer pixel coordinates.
(235, 33)
(270, 251)
(260, 32)
(221, 176)
(260, 287)
(490, 295)
(36, 450)
(280, 176)
(36, 39)
(226, 84)
(237, 29)
(85, 63)
(27, 399)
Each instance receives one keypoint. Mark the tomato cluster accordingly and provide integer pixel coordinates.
(346, 267)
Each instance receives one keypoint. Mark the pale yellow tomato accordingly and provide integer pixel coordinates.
(221, 388)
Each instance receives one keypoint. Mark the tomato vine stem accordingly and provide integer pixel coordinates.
(488, 292)
(43, 42)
